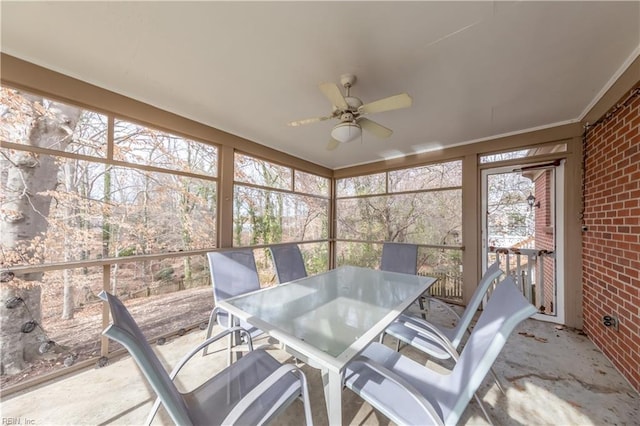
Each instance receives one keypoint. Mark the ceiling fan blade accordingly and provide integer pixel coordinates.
(333, 144)
(375, 128)
(307, 121)
(332, 92)
(402, 100)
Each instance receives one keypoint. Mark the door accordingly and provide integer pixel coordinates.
(522, 226)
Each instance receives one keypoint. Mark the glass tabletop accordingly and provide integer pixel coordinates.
(332, 310)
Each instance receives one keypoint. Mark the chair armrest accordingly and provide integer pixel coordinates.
(430, 332)
(209, 341)
(190, 354)
(398, 380)
(214, 315)
(255, 393)
(444, 305)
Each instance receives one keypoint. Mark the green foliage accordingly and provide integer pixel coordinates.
(359, 254)
(316, 257)
(127, 251)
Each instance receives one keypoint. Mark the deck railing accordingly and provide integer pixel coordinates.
(448, 286)
(532, 269)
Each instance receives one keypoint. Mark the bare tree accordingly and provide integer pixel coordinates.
(25, 204)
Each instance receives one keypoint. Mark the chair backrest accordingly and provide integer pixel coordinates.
(233, 272)
(125, 331)
(506, 308)
(288, 261)
(490, 275)
(399, 257)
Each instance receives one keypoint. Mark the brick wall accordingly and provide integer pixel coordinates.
(611, 244)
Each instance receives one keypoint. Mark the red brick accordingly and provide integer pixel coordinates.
(611, 247)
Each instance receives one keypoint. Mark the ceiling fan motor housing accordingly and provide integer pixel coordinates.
(347, 117)
(353, 102)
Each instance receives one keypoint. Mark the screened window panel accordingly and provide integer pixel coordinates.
(260, 172)
(102, 211)
(146, 146)
(423, 218)
(503, 156)
(263, 216)
(441, 175)
(162, 279)
(75, 130)
(366, 255)
(316, 256)
(81, 336)
(361, 185)
(158, 212)
(308, 183)
(522, 153)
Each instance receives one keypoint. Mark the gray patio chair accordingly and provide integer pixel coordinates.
(419, 333)
(288, 262)
(410, 393)
(254, 390)
(399, 257)
(403, 258)
(233, 272)
(407, 328)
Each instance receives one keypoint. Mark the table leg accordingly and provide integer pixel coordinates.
(230, 342)
(233, 340)
(332, 382)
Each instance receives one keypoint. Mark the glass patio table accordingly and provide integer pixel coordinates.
(328, 319)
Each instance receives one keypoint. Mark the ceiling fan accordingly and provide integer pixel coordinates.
(351, 111)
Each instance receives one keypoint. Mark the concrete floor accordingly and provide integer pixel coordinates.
(551, 377)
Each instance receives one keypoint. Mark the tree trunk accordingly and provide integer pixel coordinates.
(68, 305)
(17, 347)
(23, 224)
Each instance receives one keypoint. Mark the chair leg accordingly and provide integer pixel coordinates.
(495, 377)
(304, 395)
(398, 345)
(231, 342)
(422, 310)
(381, 340)
(205, 351)
(152, 413)
(484, 410)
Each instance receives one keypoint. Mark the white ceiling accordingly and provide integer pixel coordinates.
(474, 69)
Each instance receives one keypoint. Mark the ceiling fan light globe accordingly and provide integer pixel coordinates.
(346, 132)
